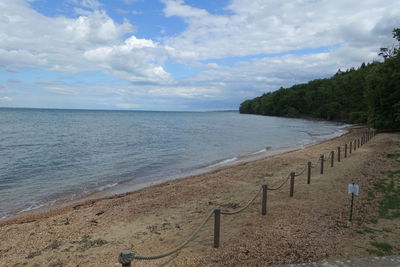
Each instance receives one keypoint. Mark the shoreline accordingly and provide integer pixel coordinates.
(131, 186)
(304, 228)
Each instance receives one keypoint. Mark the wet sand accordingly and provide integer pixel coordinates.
(307, 227)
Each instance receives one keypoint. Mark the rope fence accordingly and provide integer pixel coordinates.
(126, 257)
(243, 208)
(282, 184)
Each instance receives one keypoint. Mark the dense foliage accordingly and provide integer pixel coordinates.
(370, 93)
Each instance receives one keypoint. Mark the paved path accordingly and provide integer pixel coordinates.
(389, 261)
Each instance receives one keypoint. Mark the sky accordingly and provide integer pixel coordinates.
(179, 54)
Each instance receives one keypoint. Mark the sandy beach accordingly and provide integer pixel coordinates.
(310, 226)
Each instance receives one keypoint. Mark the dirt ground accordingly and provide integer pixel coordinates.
(311, 226)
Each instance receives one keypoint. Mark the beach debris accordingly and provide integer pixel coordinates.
(153, 229)
(33, 254)
(166, 226)
(54, 245)
(139, 234)
(100, 213)
(86, 243)
(230, 205)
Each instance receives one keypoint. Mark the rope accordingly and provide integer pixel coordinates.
(315, 165)
(130, 256)
(271, 188)
(245, 207)
(182, 245)
(301, 172)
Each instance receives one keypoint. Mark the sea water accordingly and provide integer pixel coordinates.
(48, 155)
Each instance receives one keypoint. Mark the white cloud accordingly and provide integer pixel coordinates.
(6, 98)
(267, 27)
(127, 106)
(90, 42)
(95, 42)
(91, 4)
(178, 8)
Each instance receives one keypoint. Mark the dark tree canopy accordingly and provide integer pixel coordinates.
(370, 93)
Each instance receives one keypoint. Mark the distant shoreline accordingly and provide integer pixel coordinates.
(135, 185)
(68, 153)
(138, 184)
(156, 218)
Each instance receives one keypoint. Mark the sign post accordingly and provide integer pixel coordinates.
(353, 189)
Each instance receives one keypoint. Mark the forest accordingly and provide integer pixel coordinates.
(369, 94)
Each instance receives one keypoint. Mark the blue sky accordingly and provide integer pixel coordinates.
(176, 54)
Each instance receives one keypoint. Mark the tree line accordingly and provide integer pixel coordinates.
(367, 94)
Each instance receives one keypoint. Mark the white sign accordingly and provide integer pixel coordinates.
(354, 189)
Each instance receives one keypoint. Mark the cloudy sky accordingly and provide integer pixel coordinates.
(179, 54)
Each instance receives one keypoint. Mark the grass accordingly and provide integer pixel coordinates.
(365, 231)
(341, 224)
(387, 194)
(380, 248)
(393, 156)
(389, 204)
(385, 247)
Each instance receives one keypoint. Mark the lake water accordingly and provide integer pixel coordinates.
(48, 155)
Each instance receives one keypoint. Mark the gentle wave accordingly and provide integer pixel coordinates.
(223, 162)
(52, 155)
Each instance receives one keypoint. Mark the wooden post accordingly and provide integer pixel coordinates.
(345, 150)
(358, 142)
(338, 153)
(351, 207)
(351, 144)
(355, 145)
(332, 158)
(322, 164)
(217, 224)
(292, 174)
(125, 258)
(309, 172)
(264, 199)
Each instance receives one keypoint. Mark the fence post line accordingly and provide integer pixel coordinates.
(345, 150)
(217, 225)
(309, 172)
(322, 164)
(125, 258)
(264, 199)
(332, 157)
(351, 144)
(292, 174)
(338, 153)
